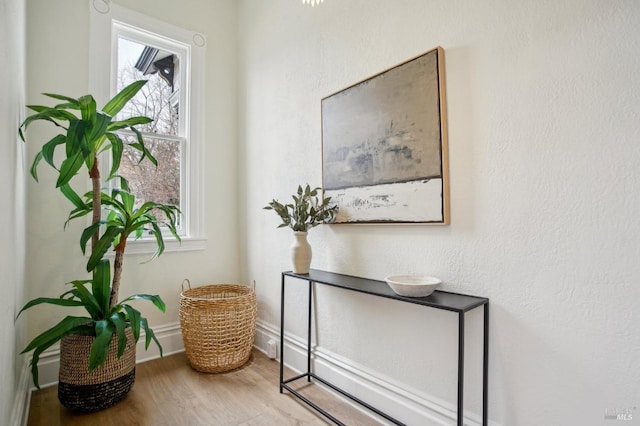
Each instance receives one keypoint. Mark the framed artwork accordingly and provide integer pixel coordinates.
(384, 145)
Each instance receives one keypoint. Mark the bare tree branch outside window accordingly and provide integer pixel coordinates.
(156, 100)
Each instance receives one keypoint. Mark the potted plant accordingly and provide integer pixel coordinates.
(306, 212)
(97, 361)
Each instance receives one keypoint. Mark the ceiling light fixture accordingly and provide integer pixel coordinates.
(312, 2)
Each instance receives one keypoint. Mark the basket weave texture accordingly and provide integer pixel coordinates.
(218, 324)
(84, 391)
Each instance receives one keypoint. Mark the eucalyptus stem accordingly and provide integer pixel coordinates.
(307, 211)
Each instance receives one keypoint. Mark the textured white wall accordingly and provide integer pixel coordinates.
(543, 101)
(58, 62)
(12, 246)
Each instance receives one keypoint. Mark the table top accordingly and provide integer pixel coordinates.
(438, 299)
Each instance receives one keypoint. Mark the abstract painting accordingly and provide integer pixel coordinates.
(384, 145)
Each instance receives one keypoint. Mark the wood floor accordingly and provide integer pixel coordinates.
(169, 392)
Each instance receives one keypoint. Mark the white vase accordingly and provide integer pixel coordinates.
(300, 253)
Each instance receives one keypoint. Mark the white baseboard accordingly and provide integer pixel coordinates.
(20, 411)
(410, 406)
(169, 335)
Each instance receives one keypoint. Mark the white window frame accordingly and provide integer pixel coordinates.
(107, 22)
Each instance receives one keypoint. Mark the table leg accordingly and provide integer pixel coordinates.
(309, 332)
(282, 334)
(460, 368)
(485, 368)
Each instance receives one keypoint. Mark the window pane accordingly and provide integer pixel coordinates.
(147, 182)
(159, 98)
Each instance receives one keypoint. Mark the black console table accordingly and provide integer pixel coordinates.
(454, 302)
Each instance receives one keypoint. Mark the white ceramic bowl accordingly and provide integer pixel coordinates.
(413, 285)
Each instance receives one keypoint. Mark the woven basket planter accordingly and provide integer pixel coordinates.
(218, 325)
(84, 391)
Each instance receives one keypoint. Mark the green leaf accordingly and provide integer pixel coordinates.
(76, 213)
(73, 291)
(44, 342)
(159, 241)
(51, 301)
(119, 101)
(117, 148)
(38, 108)
(69, 168)
(68, 105)
(103, 245)
(48, 149)
(124, 184)
(149, 335)
(155, 299)
(64, 98)
(134, 320)
(101, 284)
(133, 121)
(128, 201)
(30, 119)
(56, 332)
(98, 129)
(87, 234)
(172, 213)
(76, 133)
(72, 196)
(87, 107)
(118, 320)
(88, 300)
(142, 148)
(100, 346)
(34, 166)
(112, 200)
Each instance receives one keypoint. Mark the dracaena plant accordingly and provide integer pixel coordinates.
(123, 220)
(86, 132)
(102, 321)
(306, 211)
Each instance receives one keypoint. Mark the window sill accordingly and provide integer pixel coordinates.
(148, 246)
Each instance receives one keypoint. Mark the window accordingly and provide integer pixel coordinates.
(171, 60)
(141, 56)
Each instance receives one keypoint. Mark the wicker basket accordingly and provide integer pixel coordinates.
(218, 325)
(84, 391)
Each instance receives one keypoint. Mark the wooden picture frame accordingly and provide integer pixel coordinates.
(384, 145)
